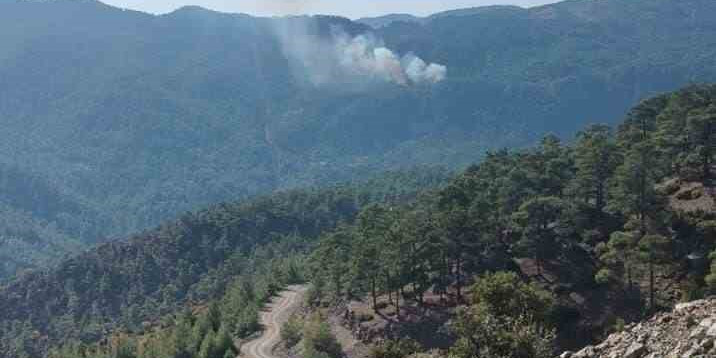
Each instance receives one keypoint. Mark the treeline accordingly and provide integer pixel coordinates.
(621, 208)
(126, 285)
(202, 331)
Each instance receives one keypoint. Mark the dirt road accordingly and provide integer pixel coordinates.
(274, 315)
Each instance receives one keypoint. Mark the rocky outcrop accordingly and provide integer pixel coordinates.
(687, 332)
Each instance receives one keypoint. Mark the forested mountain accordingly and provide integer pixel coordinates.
(136, 118)
(38, 225)
(202, 257)
(544, 248)
(547, 248)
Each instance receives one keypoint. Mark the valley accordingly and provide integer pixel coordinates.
(490, 182)
(133, 119)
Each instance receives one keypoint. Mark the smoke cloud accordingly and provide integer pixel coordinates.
(341, 58)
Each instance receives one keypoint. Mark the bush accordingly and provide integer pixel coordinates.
(314, 295)
(603, 276)
(508, 318)
(396, 349)
(319, 341)
(484, 335)
(504, 294)
(292, 332)
(619, 325)
(692, 290)
(711, 278)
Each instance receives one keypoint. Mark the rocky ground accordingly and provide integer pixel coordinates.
(687, 332)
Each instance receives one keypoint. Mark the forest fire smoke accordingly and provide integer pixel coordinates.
(364, 55)
(341, 58)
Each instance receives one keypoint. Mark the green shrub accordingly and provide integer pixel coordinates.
(692, 290)
(319, 341)
(314, 295)
(619, 325)
(396, 349)
(292, 332)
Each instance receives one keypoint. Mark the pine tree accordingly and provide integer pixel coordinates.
(595, 160)
(332, 257)
(711, 278)
(373, 225)
(213, 315)
(456, 229)
(701, 129)
(420, 234)
(223, 342)
(633, 192)
(182, 336)
(199, 331)
(207, 349)
(654, 251)
(538, 222)
(553, 166)
(619, 256)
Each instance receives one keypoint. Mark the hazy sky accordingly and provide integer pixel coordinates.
(348, 8)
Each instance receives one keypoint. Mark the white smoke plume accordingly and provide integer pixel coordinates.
(342, 58)
(366, 56)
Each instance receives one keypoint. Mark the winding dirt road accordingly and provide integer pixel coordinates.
(274, 315)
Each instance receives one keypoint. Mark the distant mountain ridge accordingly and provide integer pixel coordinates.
(140, 118)
(382, 21)
(386, 20)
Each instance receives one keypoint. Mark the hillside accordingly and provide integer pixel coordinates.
(138, 118)
(37, 223)
(536, 251)
(123, 286)
(527, 253)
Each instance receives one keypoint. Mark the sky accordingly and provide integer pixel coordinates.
(348, 8)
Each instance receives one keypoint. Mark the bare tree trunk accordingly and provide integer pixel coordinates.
(707, 155)
(374, 294)
(397, 303)
(652, 281)
(458, 276)
(444, 272)
(388, 286)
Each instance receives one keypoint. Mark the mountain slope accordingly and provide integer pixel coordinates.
(38, 223)
(566, 217)
(122, 284)
(142, 117)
